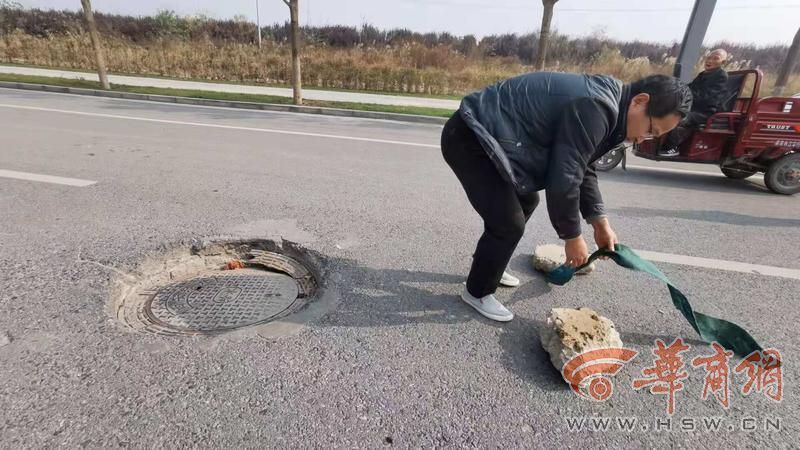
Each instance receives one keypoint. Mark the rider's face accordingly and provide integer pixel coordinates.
(714, 60)
(641, 126)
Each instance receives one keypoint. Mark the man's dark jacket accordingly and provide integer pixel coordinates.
(544, 130)
(708, 91)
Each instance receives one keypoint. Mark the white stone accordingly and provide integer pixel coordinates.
(570, 332)
(5, 339)
(547, 258)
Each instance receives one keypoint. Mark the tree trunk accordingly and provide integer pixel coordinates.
(98, 47)
(294, 15)
(788, 65)
(544, 33)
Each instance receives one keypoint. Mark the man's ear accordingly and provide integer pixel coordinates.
(641, 99)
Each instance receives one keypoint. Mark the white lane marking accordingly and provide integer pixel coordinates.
(45, 178)
(300, 133)
(689, 172)
(654, 256)
(721, 264)
(242, 110)
(227, 127)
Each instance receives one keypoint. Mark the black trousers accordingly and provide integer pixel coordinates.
(504, 213)
(684, 129)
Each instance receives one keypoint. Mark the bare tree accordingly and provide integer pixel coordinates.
(788, 64)
(544, 33)
(98, 48)
(294, 15)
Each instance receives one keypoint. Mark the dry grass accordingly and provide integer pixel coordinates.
(412, 68)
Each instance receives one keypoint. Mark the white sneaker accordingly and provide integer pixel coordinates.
(488, 307)
(509, 280)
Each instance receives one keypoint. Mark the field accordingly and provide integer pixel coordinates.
(396, 61)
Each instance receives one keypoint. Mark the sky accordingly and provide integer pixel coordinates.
(761, 22)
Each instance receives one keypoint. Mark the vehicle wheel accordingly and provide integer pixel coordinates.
(737, 174)
(783, 175)
(610, 159)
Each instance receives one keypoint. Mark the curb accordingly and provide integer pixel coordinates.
(227, 104)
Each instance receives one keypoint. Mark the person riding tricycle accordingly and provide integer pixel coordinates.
(746, 135)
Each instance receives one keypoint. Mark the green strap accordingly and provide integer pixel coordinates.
(710, 329)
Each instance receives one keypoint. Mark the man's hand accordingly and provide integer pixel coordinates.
(604, 236)
(577, 252)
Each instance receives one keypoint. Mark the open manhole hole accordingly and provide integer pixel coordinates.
(217, 287)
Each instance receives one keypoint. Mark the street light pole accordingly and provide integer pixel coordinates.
(258, 24)
(693, 38)
(786, 69)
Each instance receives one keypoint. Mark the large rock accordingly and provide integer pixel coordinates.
(547, 258)
(570, 332)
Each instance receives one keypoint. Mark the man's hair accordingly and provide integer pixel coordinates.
(723, 54)
(668, 95)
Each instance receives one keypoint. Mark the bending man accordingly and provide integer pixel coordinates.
(543, 131)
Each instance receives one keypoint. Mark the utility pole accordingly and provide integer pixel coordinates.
(98, 46)
(544, 33)
(294, 18)
(693, 38)
(788, 64)
(258, 25)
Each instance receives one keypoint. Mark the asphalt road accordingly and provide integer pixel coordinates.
(400, 361)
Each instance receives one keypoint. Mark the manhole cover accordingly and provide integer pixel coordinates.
(217, 287)
(222, 300)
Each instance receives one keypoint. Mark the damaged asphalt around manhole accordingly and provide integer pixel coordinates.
(213, 287)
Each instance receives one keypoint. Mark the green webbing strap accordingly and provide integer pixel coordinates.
(710, 329)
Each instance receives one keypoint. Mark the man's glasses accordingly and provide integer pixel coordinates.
(649, 134)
